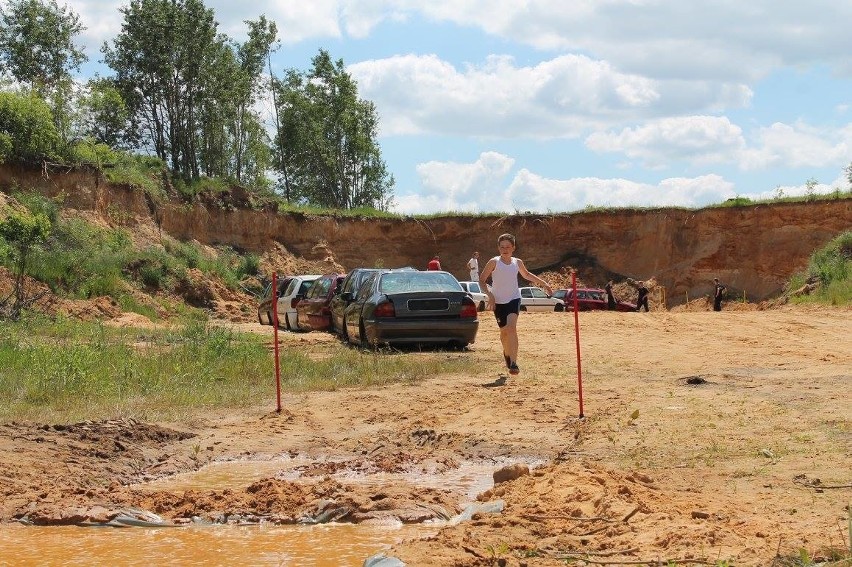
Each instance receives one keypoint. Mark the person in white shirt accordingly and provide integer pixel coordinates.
(473, 266)
(504, 295)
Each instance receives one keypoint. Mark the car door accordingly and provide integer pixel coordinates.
(541, 301)
(527, 299)
(307, 309)
(354, 311)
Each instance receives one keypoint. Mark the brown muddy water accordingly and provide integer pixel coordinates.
(290, 545)
(304, 546)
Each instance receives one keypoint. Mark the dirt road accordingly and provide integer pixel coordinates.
(706, 436)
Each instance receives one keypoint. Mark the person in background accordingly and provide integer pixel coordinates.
(504, 295)
(434, 264)
(718, 291)
(610, 298)
(643, 297)
(473, 266)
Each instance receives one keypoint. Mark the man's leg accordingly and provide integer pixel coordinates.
(509, 339)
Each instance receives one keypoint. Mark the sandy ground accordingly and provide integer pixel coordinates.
(706, 437)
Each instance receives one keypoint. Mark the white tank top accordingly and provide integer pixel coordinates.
(504, 281)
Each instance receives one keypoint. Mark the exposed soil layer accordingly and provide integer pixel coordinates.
(705, 437)
(753, 250)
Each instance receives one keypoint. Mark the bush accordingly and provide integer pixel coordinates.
(831, 266)
(27, 131)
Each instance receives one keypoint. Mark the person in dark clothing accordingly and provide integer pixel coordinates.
(643, 298)
(610, 298)
(718, 291)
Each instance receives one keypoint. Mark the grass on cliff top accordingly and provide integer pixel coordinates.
(831, 268)
(64, 370)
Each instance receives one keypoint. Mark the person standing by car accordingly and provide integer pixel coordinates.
(473, 266)
(504, 295)
(718, 291)
(643, 298)
(434, 264)
(610, 298)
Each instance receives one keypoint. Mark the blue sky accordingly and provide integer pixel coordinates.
(553, 106)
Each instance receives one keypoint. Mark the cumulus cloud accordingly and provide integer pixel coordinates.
(707, 140)
(669, 38)
(452, 186)
(696, 139)
(562, 97)
(487, 185)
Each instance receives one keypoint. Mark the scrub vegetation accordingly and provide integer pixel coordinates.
(67, 370)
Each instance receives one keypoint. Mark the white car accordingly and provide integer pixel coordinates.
(476, 293)
(535, 299)
(294, 293)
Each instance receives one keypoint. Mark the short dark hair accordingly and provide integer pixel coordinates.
(506, 236)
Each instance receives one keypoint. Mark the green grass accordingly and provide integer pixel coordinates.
(831, 266)
(64, 370)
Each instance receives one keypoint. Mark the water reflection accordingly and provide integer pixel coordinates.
(305, 546)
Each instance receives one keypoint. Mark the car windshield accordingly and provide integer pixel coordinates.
(396, 282)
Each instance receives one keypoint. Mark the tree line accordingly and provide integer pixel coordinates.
(188, 94)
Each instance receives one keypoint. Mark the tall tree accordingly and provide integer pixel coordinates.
(37, 48)
(103, 113)
(235, 143)
(162, 58)
(327, 139)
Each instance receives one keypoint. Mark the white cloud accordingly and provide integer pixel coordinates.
(800, 145)
(696, 139)
(484, 186)
(451, 186)
(733, 41)
(563, 97)
(706, 140)
(532, 192)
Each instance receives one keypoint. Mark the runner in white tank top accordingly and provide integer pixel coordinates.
(504, 280)
(504, 295)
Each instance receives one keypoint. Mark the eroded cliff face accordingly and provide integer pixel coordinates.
(752, 249)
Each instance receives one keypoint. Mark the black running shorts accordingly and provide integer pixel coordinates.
(503, 310)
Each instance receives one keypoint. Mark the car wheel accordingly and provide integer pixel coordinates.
(523, 307)
(287, 321)
(269, 320)
(558, 307)
(259, 319)
(482, 306)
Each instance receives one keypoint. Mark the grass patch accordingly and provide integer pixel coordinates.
(831, 268)
(66, 370)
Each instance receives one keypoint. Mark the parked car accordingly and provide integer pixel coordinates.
(409, 306)
(312, 312)
(476, 293)
(535, 299)
(295, 292)
(264, 308)
(345, 294)
(590, 299)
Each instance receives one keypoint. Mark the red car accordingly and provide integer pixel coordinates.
(313, 312)
(590, 299)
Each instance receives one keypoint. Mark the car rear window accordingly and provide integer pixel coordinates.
(396, 282)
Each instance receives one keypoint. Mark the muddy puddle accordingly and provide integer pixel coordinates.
(320, 546)
(468, 479)
(265, 544)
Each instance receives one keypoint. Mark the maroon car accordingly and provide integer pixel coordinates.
(312, 312)
(590, 299)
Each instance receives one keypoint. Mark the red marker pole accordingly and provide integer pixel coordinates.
(577, 335)
(275, 339)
